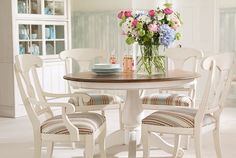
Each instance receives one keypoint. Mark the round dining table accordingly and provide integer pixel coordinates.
(132, 114)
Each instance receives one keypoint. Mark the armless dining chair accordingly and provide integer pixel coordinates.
(80, 60)
(176, 96)
(195, 122)
(181, 96)
(68, 126)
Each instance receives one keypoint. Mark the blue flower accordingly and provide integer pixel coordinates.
(167, 35)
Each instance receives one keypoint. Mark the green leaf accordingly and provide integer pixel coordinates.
(121, 22)
(150, 34)
(140, 25)
(168, 5)
(141, 33)
(130, 40)
(177, 36)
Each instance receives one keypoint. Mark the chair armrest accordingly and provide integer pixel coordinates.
(66, 109)
(67, 106)
(83, 96)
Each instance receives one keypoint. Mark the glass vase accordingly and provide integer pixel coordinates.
(150, 61)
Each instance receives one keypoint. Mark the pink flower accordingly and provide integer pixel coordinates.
(168, 11)
(176, 23)
(151, 13)
(135, 23)
(152, 27)
(120, 15)
(128, 13)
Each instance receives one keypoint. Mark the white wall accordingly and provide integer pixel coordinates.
(227, 3)
(143, 4)
(100, 5)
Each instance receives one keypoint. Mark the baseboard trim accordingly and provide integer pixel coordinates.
(230, 102)
(12, 111)
(7, 111)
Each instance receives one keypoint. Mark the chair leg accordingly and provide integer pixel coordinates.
(102, 144)
(89, 146)
(198, 141)
(186, 142)
(37, 145)
(120, 117)
(176, 145)
(216, 137)
(145, 140)
(50, 146)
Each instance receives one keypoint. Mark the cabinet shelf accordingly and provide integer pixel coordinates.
(55, 40)
(29, 40)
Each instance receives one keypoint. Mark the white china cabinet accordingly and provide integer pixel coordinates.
(38, 27)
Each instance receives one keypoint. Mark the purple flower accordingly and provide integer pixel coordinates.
(167, 35)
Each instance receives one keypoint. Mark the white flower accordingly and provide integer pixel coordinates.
(169, 17)
(160, 16)
(127, 25)
(134, 33)
(144, 18)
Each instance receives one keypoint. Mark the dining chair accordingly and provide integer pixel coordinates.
(182, 96)
(68, 126)
(179, 58)
(80, 60)
(195, 122)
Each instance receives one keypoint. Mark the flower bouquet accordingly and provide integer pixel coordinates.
(151, 29)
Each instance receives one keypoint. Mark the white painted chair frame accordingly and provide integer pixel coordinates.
(179, 56)
(223, 64)
(84, 58)
(36, 105)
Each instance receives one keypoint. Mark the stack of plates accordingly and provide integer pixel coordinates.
(106, 69)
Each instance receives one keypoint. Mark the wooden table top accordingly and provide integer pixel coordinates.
(122, 77)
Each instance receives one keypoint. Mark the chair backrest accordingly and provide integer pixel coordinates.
(179, 56)
(220, 69)
(29, 86)
(79, 60)
(82, 59)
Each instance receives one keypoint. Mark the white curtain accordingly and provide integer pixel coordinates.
(99, 30)
(228, 30)
(228, 37)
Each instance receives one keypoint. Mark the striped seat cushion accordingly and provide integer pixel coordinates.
(176, 117)
(167, 99)
(87, 123)
(97, 99)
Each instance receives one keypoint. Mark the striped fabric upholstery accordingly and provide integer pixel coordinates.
(97, 99)
(183, 118)
(167, 99)
(87, 123)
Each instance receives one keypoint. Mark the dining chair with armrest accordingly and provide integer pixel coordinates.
(68, 126)
(194, 122)
(80, 60)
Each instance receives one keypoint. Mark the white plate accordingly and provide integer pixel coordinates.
(110, 70)
(105, 66)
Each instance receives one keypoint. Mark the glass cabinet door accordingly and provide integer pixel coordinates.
(55, 39)
(30, 39)
(54, 7)
(29, 6)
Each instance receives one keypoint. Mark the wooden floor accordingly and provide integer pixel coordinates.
(16, 140)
